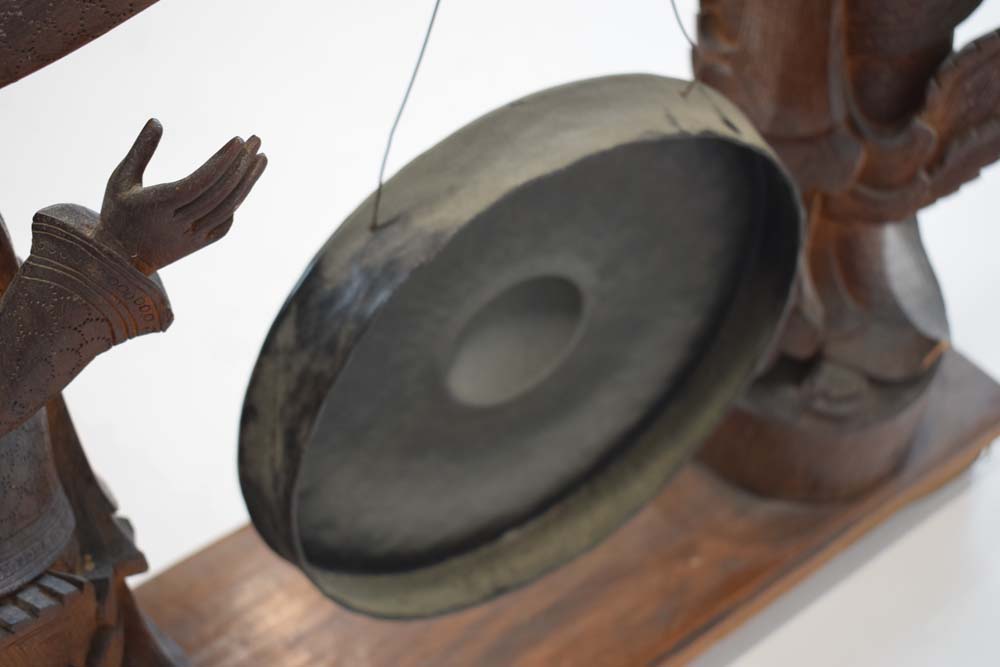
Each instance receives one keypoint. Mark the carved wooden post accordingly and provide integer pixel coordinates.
(876, 117)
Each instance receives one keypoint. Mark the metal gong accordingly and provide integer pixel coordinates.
(559, 302)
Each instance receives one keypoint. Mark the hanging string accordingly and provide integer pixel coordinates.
(399, 114)
(680, 23)
(694, 47)
(413, 78)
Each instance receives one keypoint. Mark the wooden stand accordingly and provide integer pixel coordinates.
(688, 569)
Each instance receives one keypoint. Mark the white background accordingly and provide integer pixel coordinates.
(320, 82)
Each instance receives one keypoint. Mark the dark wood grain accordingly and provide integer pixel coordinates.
(690, 567)
(34, 33)
(875, 116)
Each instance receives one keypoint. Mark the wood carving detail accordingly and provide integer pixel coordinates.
(875, 117)
(863, 99)
(88, 284)
(34, 33)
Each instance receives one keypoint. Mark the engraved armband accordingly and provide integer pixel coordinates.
(73, 299)
(65, 255)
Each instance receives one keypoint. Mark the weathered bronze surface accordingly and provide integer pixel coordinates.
(564, 296)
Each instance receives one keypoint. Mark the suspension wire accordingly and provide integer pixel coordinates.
(694, 47)
(399, 114)
(680, 24)
(413, 78)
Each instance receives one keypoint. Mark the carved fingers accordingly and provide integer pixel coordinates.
(953, 137)
(965, 91)
(157, 225)
(128, 174)
(208, 175)
(217, 222)
(963, 107)
(226, 189)
(209, 197)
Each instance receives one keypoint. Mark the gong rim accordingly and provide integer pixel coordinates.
(273, 446)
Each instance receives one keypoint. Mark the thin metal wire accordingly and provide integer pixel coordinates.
(680, 23)
(413, 78)
(399, 114)
(694, 47)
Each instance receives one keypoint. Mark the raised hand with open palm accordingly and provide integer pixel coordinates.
(156, 225)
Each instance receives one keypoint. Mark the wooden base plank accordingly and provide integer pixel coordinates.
(694, 564)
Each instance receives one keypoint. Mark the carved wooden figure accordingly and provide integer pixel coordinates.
(876, 117)
(89, 284)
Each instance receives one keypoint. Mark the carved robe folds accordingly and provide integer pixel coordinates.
(70, 301)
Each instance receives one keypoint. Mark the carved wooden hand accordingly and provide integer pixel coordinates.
(88, 283)
(157, 225)
(863, 99)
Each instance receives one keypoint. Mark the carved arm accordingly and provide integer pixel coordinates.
(90, 282)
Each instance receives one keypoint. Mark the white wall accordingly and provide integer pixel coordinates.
(320, 82)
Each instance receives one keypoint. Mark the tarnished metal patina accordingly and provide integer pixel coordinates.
(555, 306)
